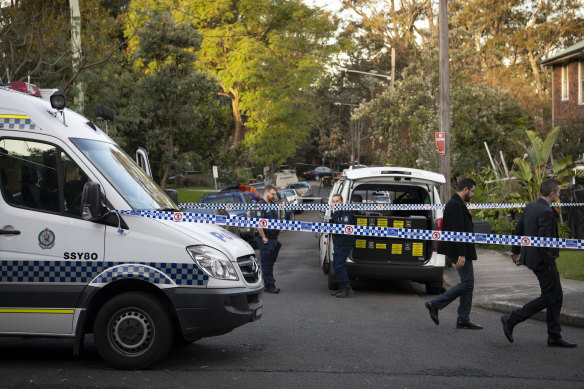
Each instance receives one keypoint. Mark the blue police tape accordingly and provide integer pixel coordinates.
(381, 232)
(354, 207)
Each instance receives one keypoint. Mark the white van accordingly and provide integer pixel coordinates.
(390, 258)
(69, 266)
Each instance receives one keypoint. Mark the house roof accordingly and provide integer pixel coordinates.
(576, 50)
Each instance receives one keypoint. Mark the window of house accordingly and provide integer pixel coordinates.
(580, 82)
(564, 69)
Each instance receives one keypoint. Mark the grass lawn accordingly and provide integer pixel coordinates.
(571, 264)
(192, 194)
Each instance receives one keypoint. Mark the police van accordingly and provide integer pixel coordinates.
(390, 258)
(71, 265)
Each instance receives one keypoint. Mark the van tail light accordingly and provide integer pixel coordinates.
(440, 224)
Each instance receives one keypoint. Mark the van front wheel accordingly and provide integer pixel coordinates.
(133, 331)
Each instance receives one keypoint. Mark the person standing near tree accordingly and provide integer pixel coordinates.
(538, 220)
(268, 240)
(461, 254)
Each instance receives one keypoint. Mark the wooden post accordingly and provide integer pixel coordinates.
(444, 90)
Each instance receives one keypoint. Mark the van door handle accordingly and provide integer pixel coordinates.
(9, 232)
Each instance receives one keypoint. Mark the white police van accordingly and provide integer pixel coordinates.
(390, 258)
(70, 266)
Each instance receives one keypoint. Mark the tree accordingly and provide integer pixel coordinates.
(35, 39)
(266, 54)
(405, 120)
(508, 39)
(176, 104)
(534, 169)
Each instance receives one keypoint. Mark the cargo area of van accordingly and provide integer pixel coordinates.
(395, 251)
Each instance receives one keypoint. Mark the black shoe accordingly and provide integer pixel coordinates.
(344, 292)
(559, 342)
(508, 328)
(271, 288)
(433, 311)
(468, 325)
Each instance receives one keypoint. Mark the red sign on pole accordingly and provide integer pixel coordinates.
(441, 142)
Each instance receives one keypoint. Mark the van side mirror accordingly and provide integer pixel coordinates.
(324, 200)
(91, 206)
(173, 194)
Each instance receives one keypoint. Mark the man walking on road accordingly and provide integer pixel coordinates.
(268, 241)
(538, 220)
(457, 218)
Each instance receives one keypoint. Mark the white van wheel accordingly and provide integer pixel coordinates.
(133, 331)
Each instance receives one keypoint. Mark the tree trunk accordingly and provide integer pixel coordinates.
(238, 130)
(169, 165)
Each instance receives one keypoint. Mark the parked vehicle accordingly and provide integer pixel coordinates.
(234, 197)
(285, 214)
(72, 265)
(318, 173)
(303, 188)
(217, 212)
(390, 258)
(293, 197)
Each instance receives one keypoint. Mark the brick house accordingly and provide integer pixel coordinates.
(567, 84)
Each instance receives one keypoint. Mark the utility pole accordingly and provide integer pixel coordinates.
(444, 90)
(392, 84)
(76, 49)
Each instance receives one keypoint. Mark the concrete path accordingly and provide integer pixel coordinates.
(501, 286)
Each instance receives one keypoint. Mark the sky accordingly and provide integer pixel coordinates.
(330, 5)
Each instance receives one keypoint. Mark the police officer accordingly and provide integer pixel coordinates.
(268, 241)
(342, 246)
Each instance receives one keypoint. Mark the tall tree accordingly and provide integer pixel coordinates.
(35, 39)
(508, 39)
(177, 106)
(266, 54)
(405, 120)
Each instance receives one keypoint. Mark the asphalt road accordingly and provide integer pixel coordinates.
(383, 337)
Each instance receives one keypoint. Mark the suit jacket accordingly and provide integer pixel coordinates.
(457, 218)
(537, 220)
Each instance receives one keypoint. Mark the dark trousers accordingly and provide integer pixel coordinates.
(463, 291)
(340, 254)
(550, 299)
(268, 254)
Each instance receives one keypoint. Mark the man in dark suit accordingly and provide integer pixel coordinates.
(538, 220)
(461, 254)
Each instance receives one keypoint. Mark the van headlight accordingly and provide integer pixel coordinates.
(213, 262)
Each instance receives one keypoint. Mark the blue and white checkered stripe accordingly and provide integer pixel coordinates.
(17, 122)
(384, 232)
(157, 273)
(96, 273)
(355, 207)
(80, 272)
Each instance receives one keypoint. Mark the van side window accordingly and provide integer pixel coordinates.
(30, 177)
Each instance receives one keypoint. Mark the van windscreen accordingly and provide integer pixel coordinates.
(131, 182)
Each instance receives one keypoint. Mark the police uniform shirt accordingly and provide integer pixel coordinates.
(268, 214)
(343, 217)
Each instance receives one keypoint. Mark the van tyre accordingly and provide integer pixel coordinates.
(133, 331)
(326, 264)
(333, 284)
(434, 287)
